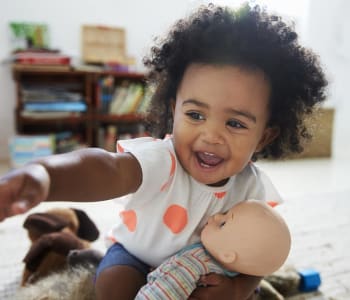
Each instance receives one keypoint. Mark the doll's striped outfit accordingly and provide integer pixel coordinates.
(177, 277)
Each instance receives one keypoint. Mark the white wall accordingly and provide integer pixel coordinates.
(327, 30)
(328, 33)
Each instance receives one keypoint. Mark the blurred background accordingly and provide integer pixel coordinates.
(322, 25)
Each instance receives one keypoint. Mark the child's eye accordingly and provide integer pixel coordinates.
(195, 115)
(222, 224)
(235, 124)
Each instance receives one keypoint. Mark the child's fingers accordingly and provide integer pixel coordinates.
(20, 207)
(211, 279)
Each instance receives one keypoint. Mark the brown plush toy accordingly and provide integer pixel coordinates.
(53, 235)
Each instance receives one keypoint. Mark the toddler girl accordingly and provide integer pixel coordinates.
(230, 87)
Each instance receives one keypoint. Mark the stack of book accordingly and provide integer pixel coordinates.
(24, 148)
(41, 59)
(40, 101)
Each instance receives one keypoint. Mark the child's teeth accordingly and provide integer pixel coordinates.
(210, 154)
(208, 159)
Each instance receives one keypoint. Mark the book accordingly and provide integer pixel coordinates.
(38, 58)
(40, 68)
(41, 115)
(32, 94)
(24, 148)
(119, 96)
(145, 101)
(134, 95)
(55, 106)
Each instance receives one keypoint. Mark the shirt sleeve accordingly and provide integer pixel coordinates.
(271, 193)
(260, 186)
(157, 161)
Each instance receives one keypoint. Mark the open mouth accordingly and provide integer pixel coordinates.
(208, 160)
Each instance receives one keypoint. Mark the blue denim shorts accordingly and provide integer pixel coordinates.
(118, 255)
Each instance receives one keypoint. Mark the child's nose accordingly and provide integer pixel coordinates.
(212, 134)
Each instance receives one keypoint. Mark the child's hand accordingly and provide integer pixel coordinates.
(215, 286)
(22, 189)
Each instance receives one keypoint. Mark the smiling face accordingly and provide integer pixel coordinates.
(220, 119)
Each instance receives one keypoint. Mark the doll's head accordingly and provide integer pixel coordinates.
(251, 238)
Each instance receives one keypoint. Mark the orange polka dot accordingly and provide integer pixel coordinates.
(220, 195)
(120, 149)
(175, 218)
(272, 203)
(129, 219)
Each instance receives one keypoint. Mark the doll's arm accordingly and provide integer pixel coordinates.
(175, 279)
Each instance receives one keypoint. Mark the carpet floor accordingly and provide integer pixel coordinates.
(320, 226)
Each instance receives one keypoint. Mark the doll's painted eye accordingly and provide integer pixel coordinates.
(222, 224)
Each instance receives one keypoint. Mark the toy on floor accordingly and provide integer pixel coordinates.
(289, 281)
(53, 234)
(74, 282)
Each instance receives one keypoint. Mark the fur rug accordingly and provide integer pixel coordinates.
(69, 284)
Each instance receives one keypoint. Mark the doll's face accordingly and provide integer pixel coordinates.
(221, 233)
(250, 238)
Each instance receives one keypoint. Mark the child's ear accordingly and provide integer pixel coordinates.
(227, 257)
(172, 103)
(270, 133)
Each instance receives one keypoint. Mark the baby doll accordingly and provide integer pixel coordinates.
(251, 238)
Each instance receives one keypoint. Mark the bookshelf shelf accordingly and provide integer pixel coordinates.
(74, 100)
(126, 118)
(69, 119)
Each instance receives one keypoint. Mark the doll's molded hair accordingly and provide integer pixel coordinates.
(259, 243)
(249, 38)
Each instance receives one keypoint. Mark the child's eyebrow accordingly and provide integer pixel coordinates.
(231, 111)
(243, 113)
(195, 102)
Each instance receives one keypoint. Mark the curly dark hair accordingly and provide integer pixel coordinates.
(249, 38)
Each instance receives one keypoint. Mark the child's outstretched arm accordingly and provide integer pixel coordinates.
(221, 287)
(83, 175)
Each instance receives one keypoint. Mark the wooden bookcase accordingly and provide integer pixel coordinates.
(86, 83)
